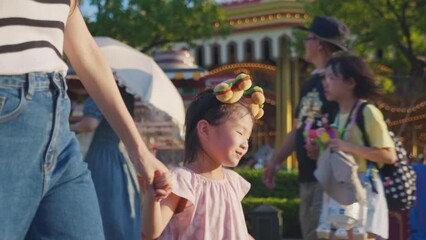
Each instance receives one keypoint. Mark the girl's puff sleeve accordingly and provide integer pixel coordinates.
(183, 184)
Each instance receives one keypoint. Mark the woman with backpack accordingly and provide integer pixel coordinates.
(350, 81)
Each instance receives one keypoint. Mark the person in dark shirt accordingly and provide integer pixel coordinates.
(326, 37)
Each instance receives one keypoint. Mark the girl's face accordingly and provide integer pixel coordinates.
(335, 87)
(228, 142)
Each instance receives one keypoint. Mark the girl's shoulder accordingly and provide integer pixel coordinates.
(371, 112)
(184, 176)
(236, 182)
(232, 175)
(182, 171)
(183, 183)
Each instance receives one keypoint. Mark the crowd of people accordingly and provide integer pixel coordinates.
(47, 191)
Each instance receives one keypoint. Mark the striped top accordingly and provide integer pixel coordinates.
(32, 35)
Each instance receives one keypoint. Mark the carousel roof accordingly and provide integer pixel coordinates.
(232, 3)
(179, 65)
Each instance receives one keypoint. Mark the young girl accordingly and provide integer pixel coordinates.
(348, 80)
(205, 202)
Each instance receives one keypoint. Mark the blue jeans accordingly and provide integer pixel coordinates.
(46, 191)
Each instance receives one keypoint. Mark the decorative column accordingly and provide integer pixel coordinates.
(414, 148)
(295, 90)
(224, 58)
(257, 46)
(207, 54)
(284, 111)
(240, 50)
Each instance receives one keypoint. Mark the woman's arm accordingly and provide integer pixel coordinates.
(379, 155)
(288, 146)
(97, 78)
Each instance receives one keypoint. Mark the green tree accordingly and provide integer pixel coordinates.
(145, 24)
(393, 31)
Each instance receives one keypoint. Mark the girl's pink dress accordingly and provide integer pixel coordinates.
(214, 209)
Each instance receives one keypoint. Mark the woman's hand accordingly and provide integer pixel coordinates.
(339, 145)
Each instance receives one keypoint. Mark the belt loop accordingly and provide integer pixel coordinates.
(63, 81)
(31, 86)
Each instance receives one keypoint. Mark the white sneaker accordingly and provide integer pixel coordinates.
(323, 231)
(341, 233)
(359, 233)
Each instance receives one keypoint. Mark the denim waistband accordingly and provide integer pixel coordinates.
(36, 80)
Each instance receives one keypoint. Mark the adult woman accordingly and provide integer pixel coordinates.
(45, 187)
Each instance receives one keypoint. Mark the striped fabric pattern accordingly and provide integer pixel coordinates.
(32, 35)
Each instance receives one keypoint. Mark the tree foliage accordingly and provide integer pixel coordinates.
(151, 23)
(393, 32)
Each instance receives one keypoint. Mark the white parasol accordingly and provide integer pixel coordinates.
(143, 78)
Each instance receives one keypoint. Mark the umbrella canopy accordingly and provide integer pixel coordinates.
(143, 78)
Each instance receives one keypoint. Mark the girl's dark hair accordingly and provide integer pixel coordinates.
(351, 67)
(206, 107)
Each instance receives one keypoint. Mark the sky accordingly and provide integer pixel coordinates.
(88, 10)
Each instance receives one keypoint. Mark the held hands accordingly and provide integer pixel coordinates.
(160, 188)
(156, 176)
(161, 185)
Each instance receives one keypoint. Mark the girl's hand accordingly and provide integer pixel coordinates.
(339, 145)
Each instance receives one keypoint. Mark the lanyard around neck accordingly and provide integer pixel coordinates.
(350, 121)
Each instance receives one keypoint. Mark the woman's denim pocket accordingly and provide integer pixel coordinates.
(12, 103)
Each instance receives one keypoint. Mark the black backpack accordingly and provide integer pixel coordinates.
(399, 179)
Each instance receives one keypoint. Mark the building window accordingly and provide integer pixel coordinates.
(249, 51)
(232, 52)
(267, 50)
(215, 55)
(200, 56)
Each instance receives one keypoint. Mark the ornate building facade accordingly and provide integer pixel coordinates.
(260, 46)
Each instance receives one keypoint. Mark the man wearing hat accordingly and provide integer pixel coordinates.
(326, 37)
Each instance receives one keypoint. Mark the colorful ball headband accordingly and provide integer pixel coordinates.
(231, 90)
